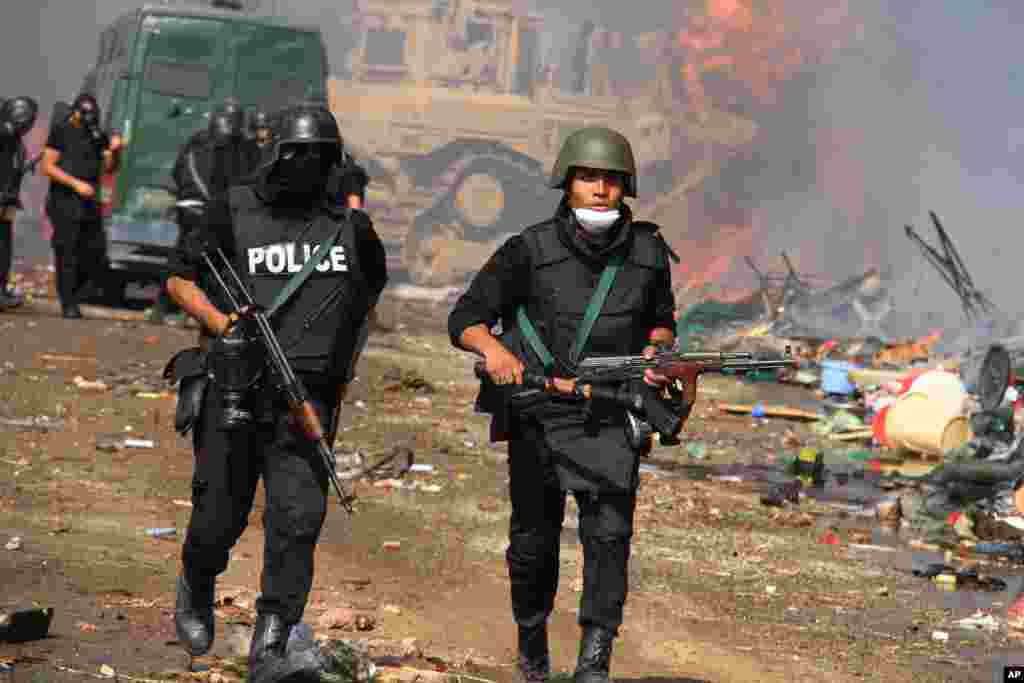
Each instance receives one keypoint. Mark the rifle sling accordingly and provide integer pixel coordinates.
(590, 315)
(307, 269)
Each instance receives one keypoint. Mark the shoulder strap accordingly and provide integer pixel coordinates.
(604, 286)
(590, 315)
(534, 340)
(307, 268)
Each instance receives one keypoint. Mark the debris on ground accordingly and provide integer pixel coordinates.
(24, 625)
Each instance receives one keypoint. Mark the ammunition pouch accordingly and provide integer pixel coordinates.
(189, 368)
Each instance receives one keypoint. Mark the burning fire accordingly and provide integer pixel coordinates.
(741, 53)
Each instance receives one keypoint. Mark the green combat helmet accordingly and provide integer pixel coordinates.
(600, 148)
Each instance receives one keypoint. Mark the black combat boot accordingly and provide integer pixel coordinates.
(269, 661)
(595, 657)
(71, 311)
(534, 660)
(193, 614)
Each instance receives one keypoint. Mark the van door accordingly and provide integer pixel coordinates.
(183, 75)
(274, 66)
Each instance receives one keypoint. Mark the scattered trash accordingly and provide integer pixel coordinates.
(89, 385)
(162, 532)
(940, 636)
(697, 450)
(40, 423)
(14, 543)
(829, 538)
(421, 467)
(981, 621)
(337, 618)
(397, 379)
(25, 625)
(769, 411)
(107, 671)
(391, 545)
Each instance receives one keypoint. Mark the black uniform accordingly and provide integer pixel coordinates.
(79, 241)
(269, 244)
(554, 447)
(13, 166)
(204, 171)
(276, 224)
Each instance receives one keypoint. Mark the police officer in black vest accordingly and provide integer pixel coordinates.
(77, 153)
(539, 285)
(210, 161)
(243, 431)
(259, 127)
(17, 116)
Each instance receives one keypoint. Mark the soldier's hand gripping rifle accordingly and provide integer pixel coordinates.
(295, 391)
(620, 380)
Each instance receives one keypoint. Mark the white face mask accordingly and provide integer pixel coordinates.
(596, 222)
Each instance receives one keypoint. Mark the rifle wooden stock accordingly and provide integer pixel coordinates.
(307, 416)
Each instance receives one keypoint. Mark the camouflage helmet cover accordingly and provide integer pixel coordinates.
(595, 147)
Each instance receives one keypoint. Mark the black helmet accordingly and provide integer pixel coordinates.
(227, 121)
(86, 106)
(20, 113)
(306, 124)
(258, 119)
(303, 124)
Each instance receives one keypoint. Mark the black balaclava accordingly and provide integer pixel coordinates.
(88, 109)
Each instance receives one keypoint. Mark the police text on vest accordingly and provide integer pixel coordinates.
(289, 258)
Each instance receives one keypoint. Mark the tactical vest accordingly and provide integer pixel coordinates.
(562, 286)
(12, 172)
(318, 327)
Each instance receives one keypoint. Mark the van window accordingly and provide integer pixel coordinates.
(179, 57)
(275, 67)
(178, 80)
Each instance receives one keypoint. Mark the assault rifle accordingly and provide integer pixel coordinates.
(619, 380)
(295, 391)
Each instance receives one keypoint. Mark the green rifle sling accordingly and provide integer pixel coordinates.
(300, 277)
(604, 286)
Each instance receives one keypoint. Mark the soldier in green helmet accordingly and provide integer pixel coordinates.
(589, 281)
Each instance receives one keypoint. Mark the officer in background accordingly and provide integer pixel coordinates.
(77, 153)
(348, 183)
(259, 128)
(17, 117)
(545, 278)
(242, 429)
(208, 164)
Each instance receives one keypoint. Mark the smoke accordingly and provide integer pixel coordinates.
(869, 114)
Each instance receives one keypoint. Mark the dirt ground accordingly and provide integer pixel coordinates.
(723, 589)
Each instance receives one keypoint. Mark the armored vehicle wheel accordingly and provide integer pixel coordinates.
(492, 197)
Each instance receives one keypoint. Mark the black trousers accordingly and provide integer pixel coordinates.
(228, 466)
(6, 252)
(79, 252)
(538, 510)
